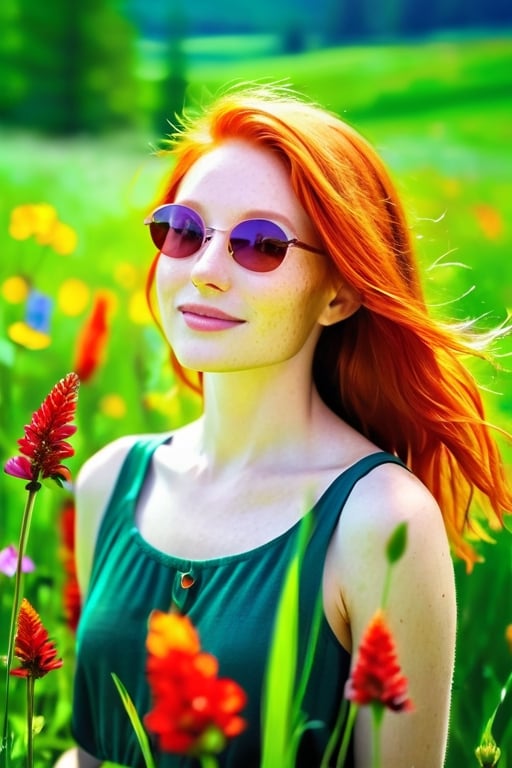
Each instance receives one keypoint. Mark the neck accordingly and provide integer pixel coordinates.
(259, 418)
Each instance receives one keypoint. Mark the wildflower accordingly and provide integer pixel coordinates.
(508, 636)
(73, 296)
(92, 340)
(72, 600)
(488, 754)
(44, 445)
(32, 645)
(377, 677)
(194, 711)
(23, 334)
(9, 561)
(33, 220)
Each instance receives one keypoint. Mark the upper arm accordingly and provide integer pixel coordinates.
(94, 485)
(420, 611)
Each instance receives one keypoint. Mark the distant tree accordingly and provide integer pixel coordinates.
(71, 67)
(172, 88)
(344, 21)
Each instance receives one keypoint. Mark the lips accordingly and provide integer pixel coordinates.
(203, 319)
(208, 312)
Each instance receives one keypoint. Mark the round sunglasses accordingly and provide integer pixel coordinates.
(259, 245)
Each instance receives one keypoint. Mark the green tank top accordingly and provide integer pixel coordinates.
(231, 601)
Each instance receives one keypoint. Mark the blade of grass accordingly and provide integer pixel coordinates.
(132, 713)
(278, 703)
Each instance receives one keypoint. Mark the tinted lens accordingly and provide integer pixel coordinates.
(258, 245)
(177, 231)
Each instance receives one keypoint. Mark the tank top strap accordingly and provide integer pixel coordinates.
(327, 512)
(135, 466)
(334, 499)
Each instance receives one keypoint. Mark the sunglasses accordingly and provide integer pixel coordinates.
(259, 245)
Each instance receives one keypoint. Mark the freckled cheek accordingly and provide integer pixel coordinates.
(288, 318)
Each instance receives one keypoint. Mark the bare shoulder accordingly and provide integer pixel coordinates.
(99, 472)
(386, 497)
(420, 607)
(95, 484)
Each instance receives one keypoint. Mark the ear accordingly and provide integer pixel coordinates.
(345, 302)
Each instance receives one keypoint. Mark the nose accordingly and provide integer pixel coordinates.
(212, 265)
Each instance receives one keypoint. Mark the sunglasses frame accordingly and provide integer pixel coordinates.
(208, 232)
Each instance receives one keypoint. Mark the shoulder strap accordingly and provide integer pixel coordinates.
(329, 508)
(135, 465)
(120, 507)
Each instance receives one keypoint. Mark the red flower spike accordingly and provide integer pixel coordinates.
(194, 711)
(32, 645)
(377, 677)
(92, 340)
(44, 444)
(72, 598)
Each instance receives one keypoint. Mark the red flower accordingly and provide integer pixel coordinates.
(92, 340)
(377, 677)
(194, 711)
(44, 445)
(32, 645)
(72, 600)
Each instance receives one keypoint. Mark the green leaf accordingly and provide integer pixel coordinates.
(397, 543)
(487, 733)
(132, 713)
(280, 709)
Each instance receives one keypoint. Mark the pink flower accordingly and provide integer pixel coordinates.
(9, 561)
(44, 445)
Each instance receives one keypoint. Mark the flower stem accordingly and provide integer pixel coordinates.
(377, 714)
(32, 487)
(208, 761)
(347, 734)
(30, 721)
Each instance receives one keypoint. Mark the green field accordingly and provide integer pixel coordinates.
(440, 114)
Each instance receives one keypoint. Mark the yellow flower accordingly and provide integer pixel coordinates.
(28, 337)
(15, 289)
(73, 297)
(63, 239)
(32, 220)
(488, 754)
(508, 636)
(113, 406)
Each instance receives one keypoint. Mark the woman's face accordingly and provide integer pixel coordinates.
(219, 316)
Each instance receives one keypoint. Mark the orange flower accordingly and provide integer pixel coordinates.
(377, 677)
(92, 340)
(194, 711)
(44, 445)
(32, 645)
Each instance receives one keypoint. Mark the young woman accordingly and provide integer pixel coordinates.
(286, 286)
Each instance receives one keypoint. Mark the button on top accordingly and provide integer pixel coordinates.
(187, 580)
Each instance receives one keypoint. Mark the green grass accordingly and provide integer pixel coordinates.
(440, 115)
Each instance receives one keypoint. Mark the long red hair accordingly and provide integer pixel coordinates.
(390, 370)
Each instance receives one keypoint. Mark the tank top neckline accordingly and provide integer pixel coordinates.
(185, 564)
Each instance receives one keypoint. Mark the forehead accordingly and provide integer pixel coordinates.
(236, 177)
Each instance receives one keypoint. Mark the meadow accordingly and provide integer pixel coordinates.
(440, 115)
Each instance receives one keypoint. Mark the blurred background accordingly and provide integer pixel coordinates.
(89, 92)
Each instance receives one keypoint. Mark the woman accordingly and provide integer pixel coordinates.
(288, 291)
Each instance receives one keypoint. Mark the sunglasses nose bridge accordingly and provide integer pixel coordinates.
(211, 266)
